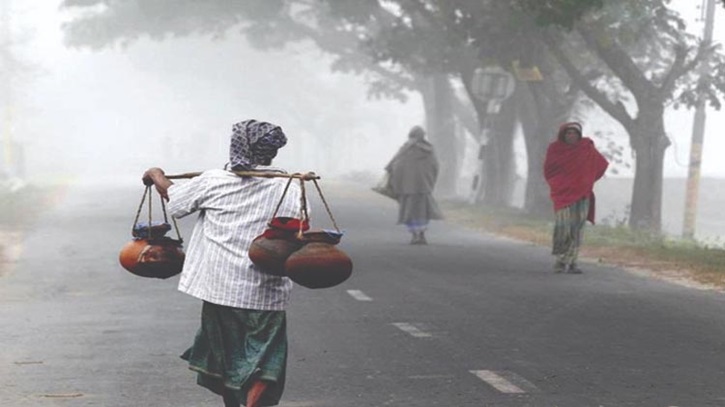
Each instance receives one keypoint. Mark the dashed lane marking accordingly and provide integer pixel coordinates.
(431, 376)
(411, 329)
(505, 382)
(359, 295)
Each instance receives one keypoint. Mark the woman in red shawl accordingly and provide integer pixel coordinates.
(571, 168)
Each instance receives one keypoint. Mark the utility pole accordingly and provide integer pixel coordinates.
(698, 134)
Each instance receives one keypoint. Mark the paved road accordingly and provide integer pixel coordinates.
(470, 320)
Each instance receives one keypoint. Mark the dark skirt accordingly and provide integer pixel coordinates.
(235, 347)
(415, 208)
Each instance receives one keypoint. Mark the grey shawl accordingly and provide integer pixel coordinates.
(414, 169)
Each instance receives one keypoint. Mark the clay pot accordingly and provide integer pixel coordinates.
(270, 255)
(157, 230)
(319, 264)
(155, 258)
(322, 236)
(288, 224)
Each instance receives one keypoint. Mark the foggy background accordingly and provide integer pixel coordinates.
(113, 113)
(106, 116)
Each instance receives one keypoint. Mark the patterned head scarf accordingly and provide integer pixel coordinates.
(254, 143)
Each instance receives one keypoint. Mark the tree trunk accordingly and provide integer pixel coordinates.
(499, 163)
(499, 166)
(538, 122)
(649, 142)
(440, 123)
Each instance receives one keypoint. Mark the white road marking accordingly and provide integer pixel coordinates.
(498, 382)
(432, 376)
(411, 329)
(359, 295)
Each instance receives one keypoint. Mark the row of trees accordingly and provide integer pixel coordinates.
(631, 58)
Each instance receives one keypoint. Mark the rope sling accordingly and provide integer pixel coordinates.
(147, 193)
(150, 253)
(310, 259)
(302, 177)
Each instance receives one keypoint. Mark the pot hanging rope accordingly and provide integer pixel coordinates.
(289, 248)
(319, 263)
(270, 250)
(307, 257)
(151, 253)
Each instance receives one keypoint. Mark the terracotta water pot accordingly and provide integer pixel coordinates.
(156, 258)
(289, 224)
(319, 264)
(270, 250)
(155, 231)
(270, 254)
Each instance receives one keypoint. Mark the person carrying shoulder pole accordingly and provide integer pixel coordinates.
(240, 350)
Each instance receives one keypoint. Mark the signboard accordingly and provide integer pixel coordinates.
(492, 84)
(531, 74)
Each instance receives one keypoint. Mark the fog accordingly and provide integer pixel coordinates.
(105, 116)
(111, 114)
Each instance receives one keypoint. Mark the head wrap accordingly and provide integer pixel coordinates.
(416, 132)
(569, 126)
(254, 143)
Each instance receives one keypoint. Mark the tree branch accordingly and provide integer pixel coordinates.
(621, 64)
(616, 110)
(668, 86)
(675, 72)
(343, 52)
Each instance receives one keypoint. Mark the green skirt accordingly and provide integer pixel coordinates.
(235, 347)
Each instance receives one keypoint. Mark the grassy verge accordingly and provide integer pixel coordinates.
(667, 257)
(19, 210)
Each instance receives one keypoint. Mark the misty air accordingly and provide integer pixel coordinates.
(362, 203)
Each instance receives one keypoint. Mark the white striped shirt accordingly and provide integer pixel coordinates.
(232, 212)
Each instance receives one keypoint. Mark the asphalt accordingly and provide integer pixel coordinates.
(468, 320)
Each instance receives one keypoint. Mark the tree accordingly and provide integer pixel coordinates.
(497, 33)
(273, 24)
(433, 38)
(643, 60)
(561, 13)
(644, 46)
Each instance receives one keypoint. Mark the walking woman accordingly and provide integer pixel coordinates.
(413, 173)
(571, 168)
(240, 350)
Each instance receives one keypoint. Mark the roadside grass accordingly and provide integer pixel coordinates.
(19, 211)
(618, 245)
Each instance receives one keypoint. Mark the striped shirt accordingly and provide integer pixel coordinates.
(232, 212)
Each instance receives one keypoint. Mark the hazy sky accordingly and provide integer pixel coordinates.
(172, 104)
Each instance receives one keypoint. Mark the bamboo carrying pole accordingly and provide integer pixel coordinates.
(308, 176)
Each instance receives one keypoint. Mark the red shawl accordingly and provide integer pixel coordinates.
(571, 170)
